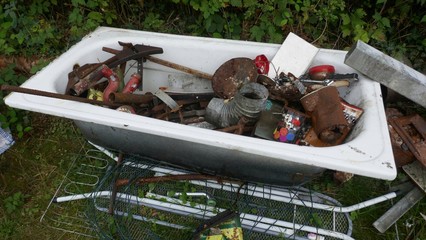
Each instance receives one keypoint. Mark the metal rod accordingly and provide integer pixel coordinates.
(399, 209)
(294, 199)
(145, 219)
(114, 186)
(128, 98)
(155, 179)
(10, 88)
(180, 67)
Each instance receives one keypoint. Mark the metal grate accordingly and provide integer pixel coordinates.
(84, 174)
(89, 204)
(174, 208)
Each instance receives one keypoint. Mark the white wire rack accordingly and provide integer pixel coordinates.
(84, 175)
(153, 211)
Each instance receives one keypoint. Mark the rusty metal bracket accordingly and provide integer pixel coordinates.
(412, 130)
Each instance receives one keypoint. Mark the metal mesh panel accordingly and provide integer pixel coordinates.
(173, 209)
(83, 176)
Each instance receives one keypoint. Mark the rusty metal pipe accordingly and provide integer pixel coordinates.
(10, 88)
(113, 82)
(128, 98)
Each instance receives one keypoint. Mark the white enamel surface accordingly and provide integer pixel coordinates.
(366, 152)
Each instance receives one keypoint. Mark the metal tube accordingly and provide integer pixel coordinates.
(10, 88)
(248, 102)
(293, 198)
(141, 218)
(127, 98)
(399, 209)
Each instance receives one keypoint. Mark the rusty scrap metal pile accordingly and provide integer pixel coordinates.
(407, 134)
(304, 110)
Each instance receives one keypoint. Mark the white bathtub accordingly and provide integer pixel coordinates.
(367, 151)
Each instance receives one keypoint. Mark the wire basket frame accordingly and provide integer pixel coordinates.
(83, 175)
(173, 209)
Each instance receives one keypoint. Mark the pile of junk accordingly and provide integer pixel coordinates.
(303, 110)
(301, 95)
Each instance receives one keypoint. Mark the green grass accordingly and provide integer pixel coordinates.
(33, 168)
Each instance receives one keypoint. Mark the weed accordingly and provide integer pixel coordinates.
(7, 228)
(12, 206)
(15, 202)
(14, 119)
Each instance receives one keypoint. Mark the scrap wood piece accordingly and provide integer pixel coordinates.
(400, 150)
(166, 63)
(417, 172)
(412, 130)
(181, 68)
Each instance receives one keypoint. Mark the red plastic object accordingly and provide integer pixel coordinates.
(321, 72)
(262, 64)
(132, 84)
